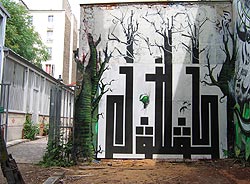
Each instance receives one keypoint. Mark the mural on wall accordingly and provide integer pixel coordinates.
(167, 97)
(241, 108)
(225, 79)
(88, 97)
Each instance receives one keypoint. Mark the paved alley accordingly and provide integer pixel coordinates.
(29, 152)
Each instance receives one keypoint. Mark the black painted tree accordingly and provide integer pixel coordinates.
(129, 27)
(165, 30)
(226, 77)
(194, 31)
(165, 27)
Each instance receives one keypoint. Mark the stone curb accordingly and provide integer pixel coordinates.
(18, 141)
(15, 142)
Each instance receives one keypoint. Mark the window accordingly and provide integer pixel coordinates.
(50, 52)
(50, 22)
(50, 18)
(37, 81)
(50, 69)
(49, 36)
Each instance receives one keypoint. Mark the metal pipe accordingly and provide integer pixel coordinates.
(7, 114)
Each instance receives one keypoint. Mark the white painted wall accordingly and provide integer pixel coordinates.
(101, 20)
(118, 1)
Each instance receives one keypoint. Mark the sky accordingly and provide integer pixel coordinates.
(75, 6)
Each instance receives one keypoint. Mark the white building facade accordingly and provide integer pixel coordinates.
(57, 26)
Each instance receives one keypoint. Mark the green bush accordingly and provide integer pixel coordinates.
(57, 155)
(29, 129)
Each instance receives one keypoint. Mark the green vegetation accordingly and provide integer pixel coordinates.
(21, 36)
(46, 129)
(29, 129)
(57, 155)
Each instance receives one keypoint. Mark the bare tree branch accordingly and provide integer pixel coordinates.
(189, 36)
(202, 50)
(203, 22)
(130, 28)
(210, 73)
(106, 60)
(98, 41)
(113, 37)
(187, 47)
(147, 41)
(103, 89)
(153, 24)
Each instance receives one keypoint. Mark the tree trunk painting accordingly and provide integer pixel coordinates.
(87, 101)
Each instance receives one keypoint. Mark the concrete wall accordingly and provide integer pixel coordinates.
(67, 49)
(166, 76)
(75, 34)
(140, 1)
(15, 125)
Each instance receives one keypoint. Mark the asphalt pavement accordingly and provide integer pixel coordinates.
(28, 152)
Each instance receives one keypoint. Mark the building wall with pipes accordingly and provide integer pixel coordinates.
(29, 93)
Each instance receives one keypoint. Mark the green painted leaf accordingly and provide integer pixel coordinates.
(247, 147)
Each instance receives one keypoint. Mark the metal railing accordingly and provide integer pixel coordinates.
(4, 109)
(61, 120)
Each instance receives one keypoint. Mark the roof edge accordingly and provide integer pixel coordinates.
(96, 2)
(28, 63)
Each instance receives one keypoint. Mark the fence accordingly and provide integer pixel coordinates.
(61, 122)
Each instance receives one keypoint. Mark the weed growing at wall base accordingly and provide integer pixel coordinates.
(57, 155)
(30, 130)
(240, 158)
